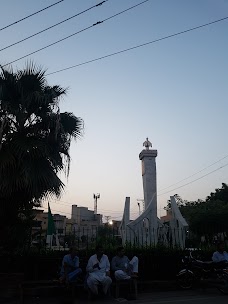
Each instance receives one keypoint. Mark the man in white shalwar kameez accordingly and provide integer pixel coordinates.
(98, 269)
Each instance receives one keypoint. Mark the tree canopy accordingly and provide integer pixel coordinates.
(35, 139)
(209, 216)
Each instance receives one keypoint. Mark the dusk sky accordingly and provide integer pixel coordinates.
(174, 91)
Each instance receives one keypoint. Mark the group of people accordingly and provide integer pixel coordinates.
(98, 269)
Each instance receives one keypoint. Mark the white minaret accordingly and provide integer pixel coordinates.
(147, 157)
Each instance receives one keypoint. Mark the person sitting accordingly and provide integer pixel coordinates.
(70, 269)
(220, 256)
(98, 269)
(123, 268)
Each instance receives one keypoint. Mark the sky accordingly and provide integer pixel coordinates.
(173, 91)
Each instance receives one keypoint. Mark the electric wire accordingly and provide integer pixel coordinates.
(69, 213)
(193, 174)
(134, 212)
(217, 169)
(194, 180)
(69, 204)
(54, 25)
(76, 33)
(139, 45)
(26, 17)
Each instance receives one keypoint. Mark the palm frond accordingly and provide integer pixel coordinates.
(71, 124)
(35, 138)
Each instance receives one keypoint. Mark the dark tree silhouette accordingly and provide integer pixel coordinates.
(35, 139)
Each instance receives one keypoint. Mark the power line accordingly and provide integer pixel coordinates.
(193, 174)
(47, 46)
(90, 207)
(26, 17)
(194, 180)
(67, 204)
(139, 45)
(61, 211)
(124, 11)
(174, 184)
(52, 26)
(70, 213)
(67, 37)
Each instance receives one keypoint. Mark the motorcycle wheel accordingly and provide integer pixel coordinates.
(185, 280)
(224, 284)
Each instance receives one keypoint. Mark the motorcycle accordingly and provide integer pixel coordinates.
(197, 272)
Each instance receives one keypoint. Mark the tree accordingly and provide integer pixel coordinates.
(219, 194)
(35, 140)
(207, 217)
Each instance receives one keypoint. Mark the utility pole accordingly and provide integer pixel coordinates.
(96, 197)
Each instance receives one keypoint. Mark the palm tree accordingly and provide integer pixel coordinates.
(35, 139)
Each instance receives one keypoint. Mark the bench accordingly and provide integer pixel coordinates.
(14, 285)
(131, 284)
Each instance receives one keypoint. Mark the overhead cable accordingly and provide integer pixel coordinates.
(194, 174)
(139, 45)
(69, 204)
(26, 17)
(194, 180)
(67, 37)
(52, 26)
(69, 213)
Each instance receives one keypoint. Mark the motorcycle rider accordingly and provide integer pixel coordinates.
(220, 255)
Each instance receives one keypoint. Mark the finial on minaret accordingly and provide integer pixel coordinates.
(147, 144)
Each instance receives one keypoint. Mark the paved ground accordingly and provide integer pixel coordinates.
(208, 296)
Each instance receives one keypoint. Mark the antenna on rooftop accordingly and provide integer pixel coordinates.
(96, 197)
